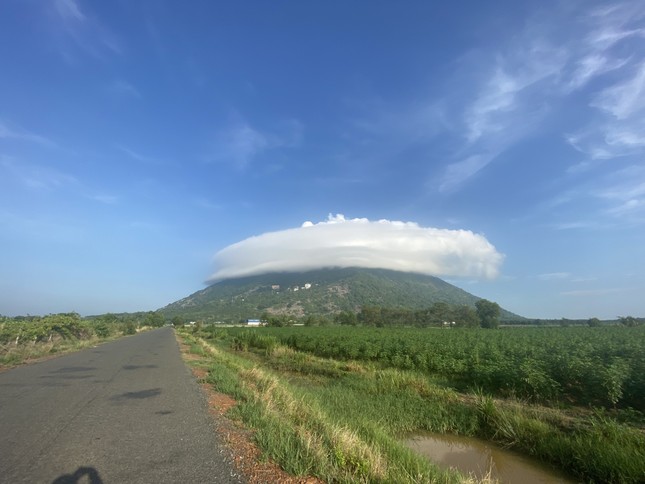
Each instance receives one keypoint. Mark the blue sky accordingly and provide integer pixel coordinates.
(138, 139)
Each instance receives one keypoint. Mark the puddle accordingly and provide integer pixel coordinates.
(473, 456)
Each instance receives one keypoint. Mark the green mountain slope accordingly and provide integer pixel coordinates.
(319, 292)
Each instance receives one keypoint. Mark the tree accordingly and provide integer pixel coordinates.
(488, 313)
(277, 320)
(466, 317)
(441, 312)
(346, 318)
(629, 321)
(370, 316)
(154, 319)
(593, 322)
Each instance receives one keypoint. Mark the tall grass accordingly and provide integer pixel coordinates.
(295, 428)
(344, 420)
(13, 355)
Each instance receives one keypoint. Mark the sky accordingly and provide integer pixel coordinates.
(148, 147)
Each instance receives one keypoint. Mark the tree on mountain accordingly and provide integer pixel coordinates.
(488, 313)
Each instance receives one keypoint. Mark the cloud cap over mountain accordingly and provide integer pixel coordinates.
(359, 242)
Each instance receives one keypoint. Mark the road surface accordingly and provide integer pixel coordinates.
(128, 411)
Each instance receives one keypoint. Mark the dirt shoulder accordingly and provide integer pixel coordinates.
(243, 452)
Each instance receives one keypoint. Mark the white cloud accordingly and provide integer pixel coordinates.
(240, 143)
(69, 10)
(12, 132)
(551, 62)
(624, 193)
(83, 29)
(359, 242)
(106, 199)
(624, 99)
(499, 103)
(590, 66)
(574, 225)
(554, 276)
(614, 44)
(456, 173)
(36, 177)
(124, 88)
(145, 159)
(592, 292)
(627, 208)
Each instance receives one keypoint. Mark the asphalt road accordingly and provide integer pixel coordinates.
(123, 412)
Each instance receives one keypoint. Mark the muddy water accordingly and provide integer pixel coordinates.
(476, 457)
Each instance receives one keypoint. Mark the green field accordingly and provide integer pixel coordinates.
(589, 366)
(336, 402)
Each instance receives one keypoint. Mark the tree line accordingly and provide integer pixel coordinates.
(485, 314)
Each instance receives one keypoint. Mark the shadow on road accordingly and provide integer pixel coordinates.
(137, 367)
(153, 392)
(70, 369)
(89, 472)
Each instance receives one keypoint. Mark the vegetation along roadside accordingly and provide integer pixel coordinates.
(337, 404)
(28, 338)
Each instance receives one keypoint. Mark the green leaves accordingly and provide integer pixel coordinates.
(488, 313)
(589, 366)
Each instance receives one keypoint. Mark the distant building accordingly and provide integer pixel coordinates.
(253, 322)
(275, 287)
(307, 286)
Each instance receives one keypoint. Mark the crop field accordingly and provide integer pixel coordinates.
(587, 366)
(337, 402)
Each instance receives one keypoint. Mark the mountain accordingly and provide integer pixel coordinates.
(319, 292)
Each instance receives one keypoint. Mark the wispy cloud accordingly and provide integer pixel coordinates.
(240, 143)
(141, 158)
(511, 99)
(547, 64)
(43, 228)
(593, 292)
(614, 43)
(36, 177)
(503, 97)
(207, 204)
(83, 31)
(359, 242)
(554, 276)
(124, 88)
(9, 131)
(591, 66)
(459, 171)
(624, 193)
(69, 10)
(574, 225)
(106, 199)
(381, 123)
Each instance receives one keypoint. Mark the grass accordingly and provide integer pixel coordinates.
(343, 421)
(14, 355)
